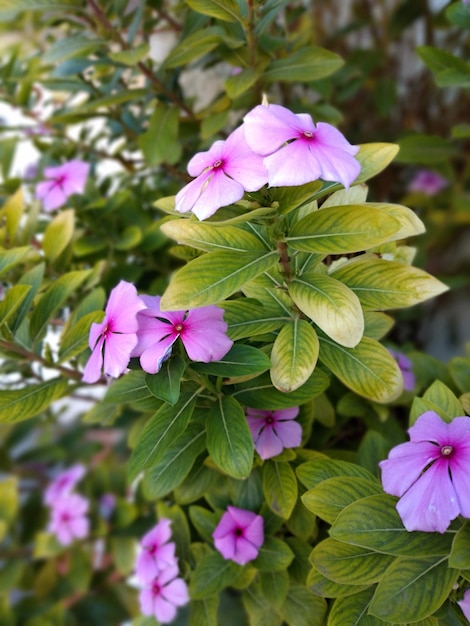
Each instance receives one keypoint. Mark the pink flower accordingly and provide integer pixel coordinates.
(158, 552)
(239, 535)
(63, 484)
(297, 151)
(428, 182)
(272, 431)
(68, 518)
(224, 173)
(406, 368)
(201, 330)
(163, 595)
(464, 604)
(430, 473)
(63, 181)
(113, 340)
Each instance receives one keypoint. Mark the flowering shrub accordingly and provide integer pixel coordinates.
(212, 356)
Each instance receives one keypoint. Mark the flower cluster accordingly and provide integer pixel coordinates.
(134, 326)
(62, 182)
(430, 473)
(273, 146)
(162, 592)
(68, 519)
(239, 535)
(272, 431)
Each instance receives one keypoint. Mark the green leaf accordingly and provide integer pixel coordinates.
(459, 557)
(460, 370)
(294, 355)
(381, 284)
(353, 610)
(226, 10)
(374, 523)
(175, 463)
(349, 565)
(32, 278)
(332, 495)
(166, 384)
(237, 84)
(129, 388)
(58, 234)
(132, 56)
(425, 149)
(160, 143)
(413, 589)
(274, 587)
(374, 158)
(325, 588)
(440, 60)
(53, 298)
(342, 229)
(274, 556)
(368, 369)
(303, 66)
(331, 305)
(14, 298)
(259, 393)
(194, 46)
(213, 277)
(377, 324)
(204, 612)
(211, 238)
(302, 608)
(229, 440)
(10, 258)
(9, 499)
(40, 5)
(21, 404)
(12, 211)
(246, 318)
(70, 47)
(261, 612)
(279, 488)
(168, 423)
(212, 574)
(441, 396)
(75, 338)
(129, 238)
(239, 361)
(459, 14)
(314, 472)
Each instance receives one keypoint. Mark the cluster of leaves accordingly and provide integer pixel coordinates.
(303, 274)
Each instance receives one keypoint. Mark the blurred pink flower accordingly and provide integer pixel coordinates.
(113, 340)
(464, 604)
(272, 431)
(163, 595)
(157, 553)
(202, 331)
(68, 518)
(107, 505)
(224, 173)
(63, 181)
(428, 182)
(63, 484)
(239, 535)
(406, 368)
(296, 150)
(430, 473)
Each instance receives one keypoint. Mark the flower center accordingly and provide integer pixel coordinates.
(238, 532)
(308, 134)
(269, 420)
(447, 450)
(178, 328)
(217, 164)
(65, 517)
(156, 588)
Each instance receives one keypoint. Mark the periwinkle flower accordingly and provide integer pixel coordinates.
(162, 596)
(113, 340)
(157, 552)
(298, 151)
(63, 483)
(62, 182)
(68, 518)
(428, 182)
(202, 331)
(272, 431)
(464, 604)
(430, 473)
(224, 173)
(239, 535)
(406, 368)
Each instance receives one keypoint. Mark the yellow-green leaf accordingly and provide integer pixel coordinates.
(10, 258)
(19, 404)
(304, 65)
(211, 238)
(225, 10)
(12, 211)
(294, 355)
(131, 56)
(279, 488)
(237, 84)
(374, 157)
(58, 234)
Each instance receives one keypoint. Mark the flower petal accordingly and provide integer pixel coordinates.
(293, 164)
(268, 443)
(117, 353)
(405, 464)
(289, 433)
(123, 306)
(92, 371)
(242, 164)
(176, 592)
(245, 551)
(152, 358)
(266, 128)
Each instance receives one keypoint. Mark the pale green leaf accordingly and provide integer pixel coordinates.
(75, 338)
(131, 56)
(58, 234)
(236, 84)
(19, 404)
(377, 324)
(302, 608)
(357, 194)
(160, 143)
(304, 65)
(212, 574)
(210, 238)
(9, 499)
(213, 277)
(225, 10)
(410, 223)
(374, 157)
(246, 318)
(331, 305)
(10, 258)
(195, 46)
(294, 355)
(12, 211)
(279, 488)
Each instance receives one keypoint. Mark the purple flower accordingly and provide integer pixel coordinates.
(296, 150)
(201, 330)
(158, 552)
(63, 181)
(428, 182)
(239, 535)
(106, 505)
(224, 173)
(163, 595)
(430, 473)
(113, 340)
(63, 484)
(406, 368)
(68, 518)
(464, 604)
(272, 431)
